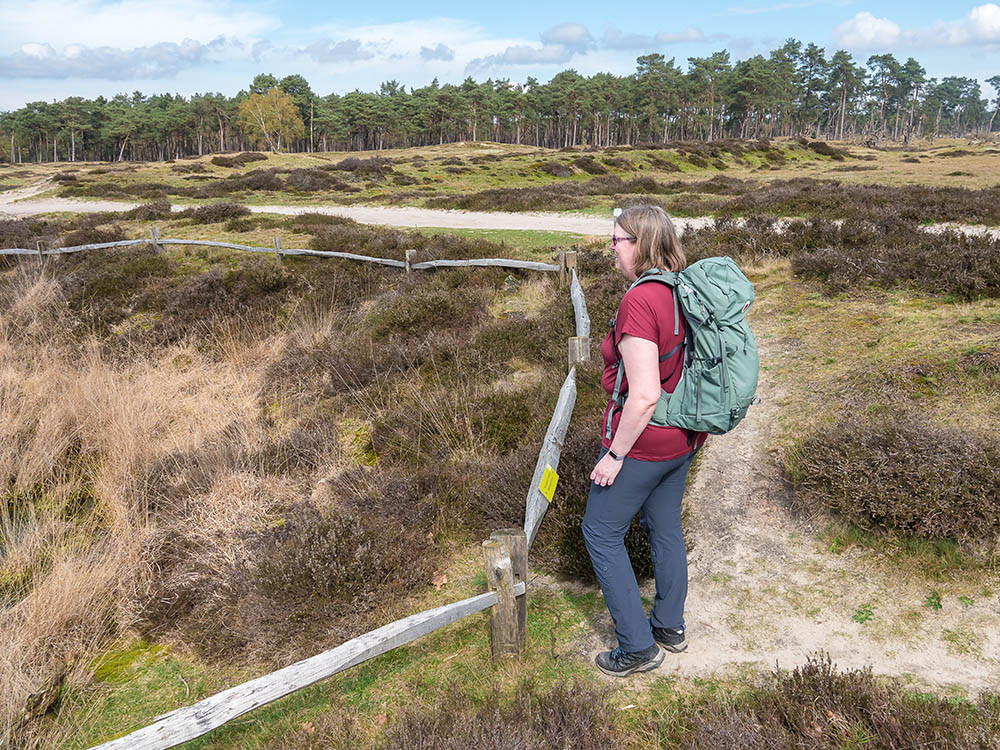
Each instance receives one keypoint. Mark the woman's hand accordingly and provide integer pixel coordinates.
(605, 471)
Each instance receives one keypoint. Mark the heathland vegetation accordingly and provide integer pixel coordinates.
(212, 464)
(796, 90)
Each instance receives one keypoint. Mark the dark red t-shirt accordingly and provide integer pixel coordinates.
(647, 311)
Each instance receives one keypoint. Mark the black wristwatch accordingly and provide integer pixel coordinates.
(615, 456)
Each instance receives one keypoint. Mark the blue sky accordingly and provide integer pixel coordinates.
(51, 49)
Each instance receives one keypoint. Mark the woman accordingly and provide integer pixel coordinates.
(642, 467)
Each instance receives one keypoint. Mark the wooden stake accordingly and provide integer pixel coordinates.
(409, 256)
(563, 275)
(570, 264)
(39, 245)
(579, 350)
(154, 234)
(506, 556)
(277, 249)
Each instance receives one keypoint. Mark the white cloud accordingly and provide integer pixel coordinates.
(574, 36)
(980, 26)
(108, 63)
(616, 39)
(690, 34)
(865, 31)
(328, 51)
(93, 23)
(439, 52)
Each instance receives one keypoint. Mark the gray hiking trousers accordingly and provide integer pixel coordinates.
(654, 490)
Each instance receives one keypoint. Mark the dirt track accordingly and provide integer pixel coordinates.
(18, 203)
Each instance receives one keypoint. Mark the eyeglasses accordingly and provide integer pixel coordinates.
(616, 240)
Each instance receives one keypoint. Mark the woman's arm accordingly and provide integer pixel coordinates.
(640, 358)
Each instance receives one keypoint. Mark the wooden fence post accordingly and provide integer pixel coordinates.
(579, 350)
(154, 234)
(570, 264)
(409, 255)
(39, 246)
(277, 249)
(563, 272)
(506, 556)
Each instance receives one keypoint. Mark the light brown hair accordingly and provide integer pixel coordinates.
(657, 244)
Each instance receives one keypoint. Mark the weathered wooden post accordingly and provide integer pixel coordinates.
(409, 256)
(277, 249)
(563, 272)
(579, 350)
(506, 556)
(40, 247)
(570, 263)
(154, 235)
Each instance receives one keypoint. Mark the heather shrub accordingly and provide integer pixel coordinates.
(194, 167)
(238, 160)
(589, 164)
(158, 209)
(819, 706)
(213, 213)
(825, 149)
(374, 168)
(895, 470)
(307, 583)
(895, 253)
(697, 160)
(255, 179)
(578, 715)
(619, 163)
(92, 236)
(24, 233)
(556, 169)
(312, 179)
(340, 558)
(404, 179)
(664, 165)
(218, 292)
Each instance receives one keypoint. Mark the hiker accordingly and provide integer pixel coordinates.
(642, 467)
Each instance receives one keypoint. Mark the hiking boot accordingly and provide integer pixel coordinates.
(670, 639)
(620, 663)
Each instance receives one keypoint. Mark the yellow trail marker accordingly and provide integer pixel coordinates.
(548, 484)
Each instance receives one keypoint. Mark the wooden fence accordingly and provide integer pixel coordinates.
(505, 552)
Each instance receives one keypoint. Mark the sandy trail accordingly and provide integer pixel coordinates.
(19, 203)
(763, 590)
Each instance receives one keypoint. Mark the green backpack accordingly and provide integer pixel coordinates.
(720, 362)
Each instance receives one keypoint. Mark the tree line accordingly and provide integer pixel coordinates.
(794, 90)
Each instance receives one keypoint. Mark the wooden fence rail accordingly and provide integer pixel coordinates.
(280, 251)
(548, 457)
(193, 721)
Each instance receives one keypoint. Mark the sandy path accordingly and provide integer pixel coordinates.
(13, 205)
(19, 203)
(764, 590)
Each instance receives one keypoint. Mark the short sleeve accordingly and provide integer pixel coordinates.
(636, 315)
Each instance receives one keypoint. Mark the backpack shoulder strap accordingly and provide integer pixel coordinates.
(671, 279)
